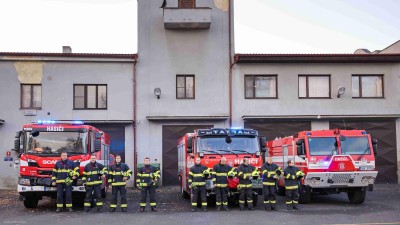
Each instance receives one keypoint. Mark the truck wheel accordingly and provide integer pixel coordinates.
(184, 194)
(31, 202)
(280, 190)
(356, 196)
(255, 199)
(304, 196)
(78, 199)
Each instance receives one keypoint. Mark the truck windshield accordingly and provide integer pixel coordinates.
(355, 146)
(218, 144)
(46, 143)
(322, 146)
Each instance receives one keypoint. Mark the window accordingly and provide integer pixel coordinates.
(187, 3)
(367, 86)
(314, 86)
(31, 96)
(261, 86)
(90, 96)
(185, 86)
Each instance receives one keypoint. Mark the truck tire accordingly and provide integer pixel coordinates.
(31, 202)
(356, 196)
(304, 194)
(184, 194)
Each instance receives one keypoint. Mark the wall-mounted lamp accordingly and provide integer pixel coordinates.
(340, 91)
(157, 92)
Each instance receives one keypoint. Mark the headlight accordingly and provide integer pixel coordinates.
(24, 181)
(368, 180)
(366, 168)
(313, 181)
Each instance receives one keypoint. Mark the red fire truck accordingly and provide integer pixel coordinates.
(212, 144)
(40, 145)
(333, 161)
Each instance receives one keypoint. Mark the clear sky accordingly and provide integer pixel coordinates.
(261, 26)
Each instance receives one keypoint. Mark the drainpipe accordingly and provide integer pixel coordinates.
(135, 57)
(230, 63)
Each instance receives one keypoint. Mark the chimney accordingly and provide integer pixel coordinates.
(67, 49)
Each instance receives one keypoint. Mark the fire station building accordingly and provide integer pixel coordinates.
(186, 75)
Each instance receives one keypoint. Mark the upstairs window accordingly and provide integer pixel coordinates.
(187, 3)
(260, 86)
(31, 96)
(90, 96)
(367, 86)
(314, 86)
(185, 86)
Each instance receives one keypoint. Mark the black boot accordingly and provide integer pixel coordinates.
(87, 209)
(112, 210)
(153, 209)
(241, 208)
(124, 209)
(288, 207)
(218, 208)
(273, 207)
(141, 209)
(99, 209)
(225, 208)
(58, 210)
(205, 209)
(193, 209)
(251, 208)
(70, 210)
(295, 207)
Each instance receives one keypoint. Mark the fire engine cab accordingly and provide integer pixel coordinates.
(40, 145)
(333, 161)
(212, 144)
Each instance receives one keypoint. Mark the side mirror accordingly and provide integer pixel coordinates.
(263, 141)
(190, 145)
(300, 147)
(228, 140)
(375, 145)
(342, 138)
(17, 143)
(98, 135)
(97, 145)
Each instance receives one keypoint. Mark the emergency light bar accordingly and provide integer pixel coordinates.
(74, 122)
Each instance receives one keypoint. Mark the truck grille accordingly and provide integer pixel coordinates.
(341, 178)
(44, 172)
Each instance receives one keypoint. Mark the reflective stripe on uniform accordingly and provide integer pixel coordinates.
(269, 183)
(222, 185)
(68, 205)
(99, 203)
(199, 183)
(60, 205)
(142, 204)
(113, 206)
(244, 185)
(153, 204)
(221, 174)
(124, 205)
(291, 187)
(87, 204)
(204, 203)
(94, 182)
(118, 183)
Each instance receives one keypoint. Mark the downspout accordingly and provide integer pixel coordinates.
(135, 57)
(230, 64)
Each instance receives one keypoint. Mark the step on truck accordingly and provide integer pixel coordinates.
(40, 145)
(333, 161)
(212, 144)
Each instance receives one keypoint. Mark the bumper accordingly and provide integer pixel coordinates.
(256, 184)
(25, 189)
(340, 179)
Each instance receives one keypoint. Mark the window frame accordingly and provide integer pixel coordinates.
(307, 86)
(85, 96)
(180, 4)
(31, 94)
(360, 85)
(254, 88)
(194, 86)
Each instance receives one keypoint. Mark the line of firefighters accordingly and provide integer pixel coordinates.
(65, 171)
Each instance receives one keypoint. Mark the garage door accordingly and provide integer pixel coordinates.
(273, 129)
(385, 132)
(170, 136)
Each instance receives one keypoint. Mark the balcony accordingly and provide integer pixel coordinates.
(187, 18)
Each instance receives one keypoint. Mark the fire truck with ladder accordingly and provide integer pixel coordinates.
(210, 145)
(333, 161)
(40, 145)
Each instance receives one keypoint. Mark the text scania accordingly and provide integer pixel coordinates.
(55, 128)
(49, 161)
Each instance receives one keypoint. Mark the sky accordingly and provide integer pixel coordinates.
(261, 26)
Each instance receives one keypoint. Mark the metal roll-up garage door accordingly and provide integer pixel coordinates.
(274, 129)
(170, 136)
(385, 132)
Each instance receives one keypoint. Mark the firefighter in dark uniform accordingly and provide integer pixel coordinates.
(93, 175)
(271, 173)
(147, 178)
(292, 174)
(64, 172)
(118, 174)
(197, 183)
(220, 175)
(246, 173)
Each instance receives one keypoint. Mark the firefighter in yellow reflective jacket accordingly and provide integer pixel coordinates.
(292, 174)
(64, 172)
(220, 180)
(271, 173)
(246, 174)
(118, 174)
(93, 176)
(197, 183)
(147, 179)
